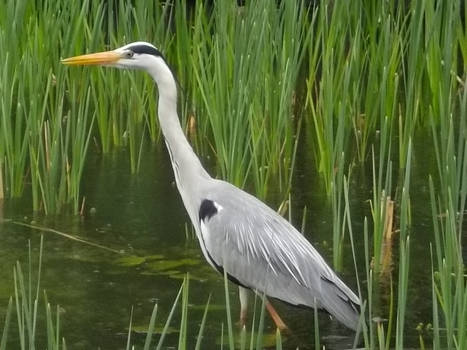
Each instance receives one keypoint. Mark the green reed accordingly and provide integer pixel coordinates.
(448, 190)
(239, 95)
(39, 141)
(444, 109)
(448, 195)
(344, 103)
(328, 58)
(376, 74)
(353, 98)
(233, 339)
(375, 334)
(246, 72)
(13, 143)
(404, 250)
(369, 65)
(369, 69)
(26, 303)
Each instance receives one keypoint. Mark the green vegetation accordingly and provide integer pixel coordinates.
(246, 76)
(27, 291)
(26, 302)
(359, 82)
(238, 95)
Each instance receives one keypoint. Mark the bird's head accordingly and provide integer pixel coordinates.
(137, 55)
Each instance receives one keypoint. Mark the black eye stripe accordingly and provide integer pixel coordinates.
(140, 49)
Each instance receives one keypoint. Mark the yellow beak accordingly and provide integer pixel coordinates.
(98, 58)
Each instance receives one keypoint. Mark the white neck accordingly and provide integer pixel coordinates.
(186, 165)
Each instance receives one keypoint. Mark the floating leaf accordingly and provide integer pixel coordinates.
(160, 265)
(131, 260)
(143, 329)
(170, 272)
(154, 257)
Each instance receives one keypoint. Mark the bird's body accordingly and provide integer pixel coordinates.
(238, 234)
(262, 251)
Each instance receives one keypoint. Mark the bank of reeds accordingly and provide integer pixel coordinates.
(43, 139)
(376, 73)
(27, 292)
(448, 195)
(379, 74)
(246, 76)
(238, 67)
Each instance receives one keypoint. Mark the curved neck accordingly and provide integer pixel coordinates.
(186, 165)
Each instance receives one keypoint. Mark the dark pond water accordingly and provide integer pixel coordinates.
(143, 216)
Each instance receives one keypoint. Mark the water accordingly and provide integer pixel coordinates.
(143, 216)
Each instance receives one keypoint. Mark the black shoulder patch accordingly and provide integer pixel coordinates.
(147, 49)
(207, 210)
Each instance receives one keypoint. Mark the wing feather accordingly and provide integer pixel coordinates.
(264, 252)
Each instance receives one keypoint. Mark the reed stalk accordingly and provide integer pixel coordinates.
(227, 81)
(246, 75)
(448, 206)
(376, 75)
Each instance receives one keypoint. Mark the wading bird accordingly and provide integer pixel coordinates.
(239, 235)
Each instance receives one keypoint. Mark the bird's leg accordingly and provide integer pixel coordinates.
(243, 294)
(275, 316)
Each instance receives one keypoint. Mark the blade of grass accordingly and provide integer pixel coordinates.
(169, 318)
(228, 313)
(6, 325)
(183, 322)
(128, 339)
(151, 327)
(199, 338)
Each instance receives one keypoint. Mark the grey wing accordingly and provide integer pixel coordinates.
(261, 250)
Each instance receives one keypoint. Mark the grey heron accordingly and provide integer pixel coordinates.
(239, 235)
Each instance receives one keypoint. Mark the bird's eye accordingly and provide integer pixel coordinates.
(129, 54)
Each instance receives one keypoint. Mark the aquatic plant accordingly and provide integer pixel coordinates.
(26, 303)
(373, 76)
(246, 73)
(448, 194)
(48, 113)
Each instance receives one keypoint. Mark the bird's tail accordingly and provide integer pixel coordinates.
(340, 302)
